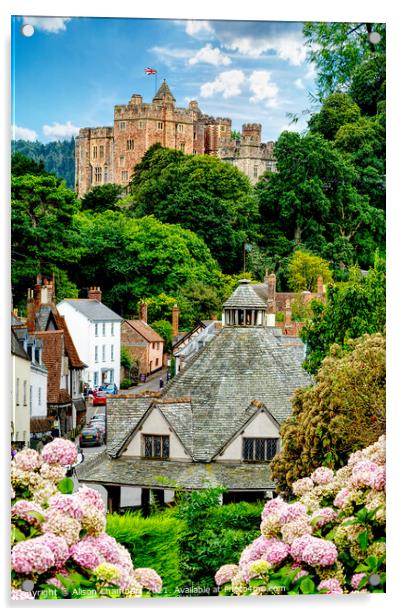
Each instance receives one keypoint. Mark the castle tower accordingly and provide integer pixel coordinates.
(251, 134)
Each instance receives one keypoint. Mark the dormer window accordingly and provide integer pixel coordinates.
(156, 446)
(259, 449)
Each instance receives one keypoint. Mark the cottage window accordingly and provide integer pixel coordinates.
(17, 391)
(96, 329)
(105, 175)
(25, 393)
(103, 352)
(156, 362)
(95, 378)
(182, 147)
(112, 329)
(141, 123)
(96, 353)
(255, 172)
(112, 353)
(156, 446)
(122, 161)
(259, 449)
(103, 329)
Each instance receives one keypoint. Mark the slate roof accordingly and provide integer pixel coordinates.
(145, 331)
(17, 348)
(52, 358)
(162, 473)
(164, 92)
(245, 297)
(93, 309)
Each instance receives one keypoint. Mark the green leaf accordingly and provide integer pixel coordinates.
(17, 535)
(66, 486)
(308, 586)
(363, 540)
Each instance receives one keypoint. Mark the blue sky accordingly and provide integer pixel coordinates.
(71, 72)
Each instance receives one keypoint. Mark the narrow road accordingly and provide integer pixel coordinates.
(152, 384)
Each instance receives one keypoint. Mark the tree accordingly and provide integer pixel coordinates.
(337, 49)
(44, 234)
(164, 329)
(137, 258)
(304, 269)
(58, 157)
(344, 411)
(368, 84)
(337, 109)
(352, 309)
(101, 198)
(201, 193)
(22, 165)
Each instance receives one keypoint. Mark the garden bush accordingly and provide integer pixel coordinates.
(151, 542)
(330, 540)
(125, 384)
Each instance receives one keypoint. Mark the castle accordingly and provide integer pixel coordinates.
(108, 154)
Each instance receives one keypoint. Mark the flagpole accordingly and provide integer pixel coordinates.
(156, 75)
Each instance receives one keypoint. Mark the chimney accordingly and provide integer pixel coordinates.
(175, 321)
(143, 312)
(31, 311)
(95, 293)
(287, 313)
(320, 288)
(271, 293)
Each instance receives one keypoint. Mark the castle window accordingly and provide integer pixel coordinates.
(98, 175)
(122, 161)
(182, 147)
(141, 124)
(160, 125)
(125, 176)
(255, 172)
(130, 144)
(101, 151)
(155, 446)
(179, 128)
(122, 125)
(94, 152)
(105, 174)
(259, 449)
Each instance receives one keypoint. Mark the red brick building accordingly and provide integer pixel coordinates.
(144, 345)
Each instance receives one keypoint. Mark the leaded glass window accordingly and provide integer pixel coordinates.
(259, 449)
(156, 446)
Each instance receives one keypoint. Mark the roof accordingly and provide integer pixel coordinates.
(17, 348)
(75, 361)
(164, 92)
(244, 296)
(162, 473)
(53, 351)
(93, 309)
(145, 331)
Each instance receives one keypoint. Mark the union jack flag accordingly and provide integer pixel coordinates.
(150, 71)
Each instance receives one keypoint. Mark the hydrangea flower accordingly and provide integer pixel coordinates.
(331, 585)
(301, 486)
(20, 595)
(363, 473)
(292, 512)
(148, 578)
(296, 528)
(22, 510)
(62, 525)
(85, 555)
(58, 546)
(134, 590)
(258, 567)
(323, 516)
(322, 475)
(225, 574)
(67, 504)
(378, 479)
(93, 520)
(356, 579)
(91, 497)
(319, 552)
(31, 556)
(27, 460)
(53, 472)
(60, 451)
(298, 546)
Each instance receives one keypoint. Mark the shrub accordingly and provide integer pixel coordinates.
(151, 542)
(59, 543)
(125, 384)
(329, 541)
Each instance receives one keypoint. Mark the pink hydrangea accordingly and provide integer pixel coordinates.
(356, 579)
(319, 552)
(299, 545)
(322, 475)
(276, 551)
(60, 451)
(58, 546)
(91, 497)
(300, 573)
(323, 516)
(378, 479)
(363, 473)
(332, 586)
(31, 556)
(107, 546)
(291, 512)
(301, 486)
(296, 528)
(85, 555)
(225, 574)
(27, 459)
(273, 506)
(22, 510)
(342, 498)
(20, 595)
(68, 504)
(62, 525)
(149, 579)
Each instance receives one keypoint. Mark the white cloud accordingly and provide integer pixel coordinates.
(60, 131)
(48, 24)
(227, 83)
(311, 72)
(210, 55)
(27, 134)
(298, 84)
(168, 53)
(195, 28)
(263, 88)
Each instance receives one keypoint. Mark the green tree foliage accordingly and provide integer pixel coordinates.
(64, 287)
(159, 307)
(201, 193)
(304, 269)
(337, 49)
(368, 84)
(101, 198)
(58, 156)
(44, 234)
(343, 412)
(312, 202)
(125, 358)
(136, 258)
(352, 309)
(337, 109)
(22, 165)
(164, 329)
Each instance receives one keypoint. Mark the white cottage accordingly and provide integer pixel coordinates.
(95, 330)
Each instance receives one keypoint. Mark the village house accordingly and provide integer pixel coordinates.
(216, 423)
(20, 395)
(95, 330)
(144, 345)
(65, 403)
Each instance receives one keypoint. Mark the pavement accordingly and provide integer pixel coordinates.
(153, 384)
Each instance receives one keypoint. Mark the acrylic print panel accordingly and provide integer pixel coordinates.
(197, 337)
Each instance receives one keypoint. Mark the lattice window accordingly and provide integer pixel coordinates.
(130, 144)
(98, 174)
(259, 449)
(101, 151)
(156, 446)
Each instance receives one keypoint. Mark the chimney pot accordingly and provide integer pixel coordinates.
(95, 293)
(143, 312)
(288, 313)
(175, 321)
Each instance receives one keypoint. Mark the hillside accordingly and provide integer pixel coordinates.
(58, 156)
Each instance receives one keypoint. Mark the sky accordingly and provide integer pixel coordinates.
(72, 71)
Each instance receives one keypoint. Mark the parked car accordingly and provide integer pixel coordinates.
(91, 435)
(99, 398)
(99, 416)
(101, 426)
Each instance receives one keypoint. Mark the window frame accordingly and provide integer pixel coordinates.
(162, 438)
(252, 441)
